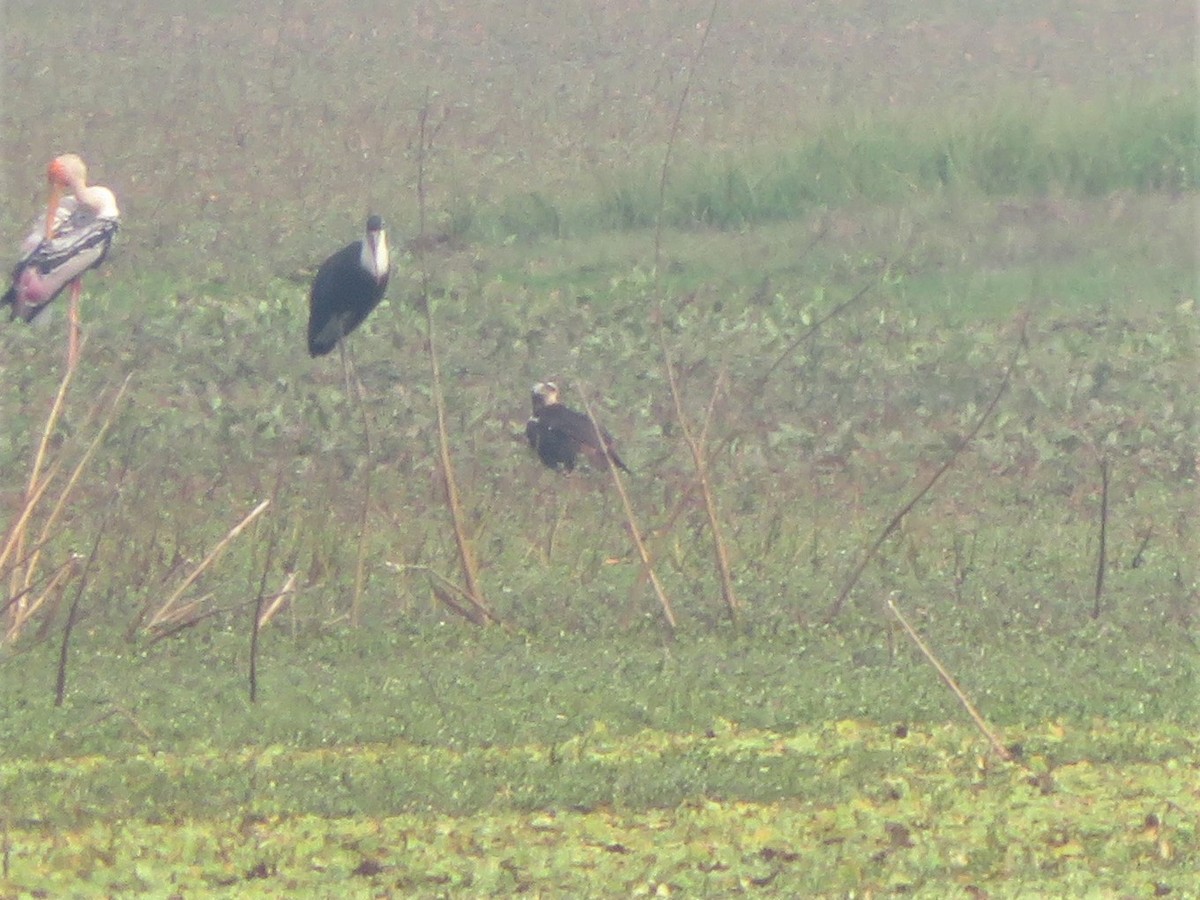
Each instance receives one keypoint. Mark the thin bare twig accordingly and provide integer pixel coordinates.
(997, 744)
(666, 165)
(631, 523)
(1101, 558)
(698, 451)
(891, 526)
(696, 447)
(816, 325)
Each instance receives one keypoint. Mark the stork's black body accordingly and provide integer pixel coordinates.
(348, 286)
(559, 434)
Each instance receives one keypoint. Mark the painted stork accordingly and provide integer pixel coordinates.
(348, 286)
(77, 234)
(559, 434)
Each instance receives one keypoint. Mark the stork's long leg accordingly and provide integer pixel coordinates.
(73, 325)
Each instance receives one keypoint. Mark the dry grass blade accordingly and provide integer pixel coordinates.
(166, 612)
(631, 522)
(60, 684)
(997, 744)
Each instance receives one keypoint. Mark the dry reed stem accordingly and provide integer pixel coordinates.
(631, 523)
(60, 505)
(700, 463)
(17, 532)
(698, 457)
(993, 738)
(472, 611)
(165, 612)
(466, 552)
(260, 596)
(32, 492)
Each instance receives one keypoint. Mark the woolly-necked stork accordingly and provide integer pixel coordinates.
(77, 234)
(559, 434)
(348, 286)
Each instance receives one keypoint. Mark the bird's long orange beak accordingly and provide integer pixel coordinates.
(56, 192)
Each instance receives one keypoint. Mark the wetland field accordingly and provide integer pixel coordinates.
(902, 343)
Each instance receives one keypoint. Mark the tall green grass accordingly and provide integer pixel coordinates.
(1003, 148)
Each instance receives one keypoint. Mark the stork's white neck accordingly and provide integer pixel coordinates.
(375, 254)
(100, 200)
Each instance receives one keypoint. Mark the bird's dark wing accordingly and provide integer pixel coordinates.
(342, 296)
(555, 448)
(578, 429)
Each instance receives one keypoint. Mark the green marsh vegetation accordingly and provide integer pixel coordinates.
(980, 174)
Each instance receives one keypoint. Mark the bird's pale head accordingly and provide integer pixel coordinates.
(67, 171)
(545, 393)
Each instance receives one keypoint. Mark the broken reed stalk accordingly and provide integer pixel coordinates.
(1101, 559)
(697, 448)
(631, 523)
(167, 610)
(997, 744)
(891, 526)
(277, 600)
(466, 553)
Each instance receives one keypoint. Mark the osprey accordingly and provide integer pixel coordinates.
(559, 434)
